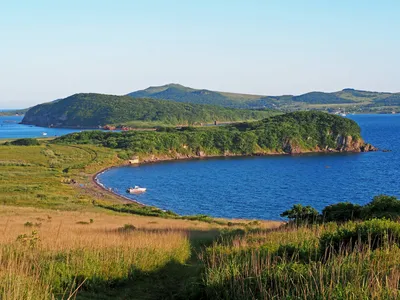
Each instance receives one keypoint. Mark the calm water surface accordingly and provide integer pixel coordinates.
(11, 129)
(263, 187)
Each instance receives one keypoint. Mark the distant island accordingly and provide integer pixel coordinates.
(12, 112)
(98, 110)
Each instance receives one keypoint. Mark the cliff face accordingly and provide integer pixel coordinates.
(348, 144)
(43, 120)
(343, 144)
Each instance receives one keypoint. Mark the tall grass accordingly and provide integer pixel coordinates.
(61, 258)
(288, 264)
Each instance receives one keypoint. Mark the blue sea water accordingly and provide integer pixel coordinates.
(11, 129)
(263, 187)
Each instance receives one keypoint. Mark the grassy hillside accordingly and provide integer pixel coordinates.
(305, 262)
(290, 133)
(353, 100)
(92, 110)
(61, 236)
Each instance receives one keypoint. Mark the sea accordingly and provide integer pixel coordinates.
(10, 128)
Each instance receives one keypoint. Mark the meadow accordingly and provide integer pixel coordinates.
(62, 237)
(59, 239)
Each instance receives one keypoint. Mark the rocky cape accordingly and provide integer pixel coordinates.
(345, 145)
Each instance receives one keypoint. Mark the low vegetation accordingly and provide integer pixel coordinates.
(328, 261)
(381, 206)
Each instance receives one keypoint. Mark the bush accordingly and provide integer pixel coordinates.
(127, 228)
(382, 206)
(341, 212)
(373, 234)
(25, 142)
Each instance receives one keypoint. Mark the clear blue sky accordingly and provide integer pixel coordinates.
(51, 49)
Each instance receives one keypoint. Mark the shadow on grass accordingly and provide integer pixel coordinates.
(172, 281)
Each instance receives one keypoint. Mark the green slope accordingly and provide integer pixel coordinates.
(92, 110)
(355, 100)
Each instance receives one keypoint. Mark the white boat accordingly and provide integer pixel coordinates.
(136, 190)
(44, 133)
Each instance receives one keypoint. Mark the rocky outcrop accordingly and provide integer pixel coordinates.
(368, 148)
(348, 144)
(343, 144)
(290, 147)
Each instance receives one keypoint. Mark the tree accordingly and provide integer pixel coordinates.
(301, 215)
(382, 206)
(341, 212)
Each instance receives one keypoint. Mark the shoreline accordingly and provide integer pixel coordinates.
(99, 185)
(160, 159)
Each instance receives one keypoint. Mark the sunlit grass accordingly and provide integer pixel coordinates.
(39, 175)
(287, 264)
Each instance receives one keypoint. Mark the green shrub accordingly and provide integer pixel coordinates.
(382, 206)
(127, 228)
(373, 234)
(28, 224)
(341, 212)
(25, 142)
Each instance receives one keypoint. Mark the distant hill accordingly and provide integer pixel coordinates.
(92, 110)
(12, 112)
(355, 100)
(179, 93)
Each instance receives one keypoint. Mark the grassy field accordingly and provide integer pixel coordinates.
(56, 242)
(41, 176)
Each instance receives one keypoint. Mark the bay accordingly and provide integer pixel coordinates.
(263, 187)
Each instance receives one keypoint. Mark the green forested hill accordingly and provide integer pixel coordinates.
(289, 133)
(350, 99)
(92, 110)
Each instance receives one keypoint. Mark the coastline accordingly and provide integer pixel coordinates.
(152, 159)
(99, 185)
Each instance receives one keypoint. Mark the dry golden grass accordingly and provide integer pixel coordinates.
(47, 253)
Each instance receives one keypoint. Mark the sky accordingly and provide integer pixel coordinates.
(52, 49)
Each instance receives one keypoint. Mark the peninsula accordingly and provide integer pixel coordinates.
(292, 133)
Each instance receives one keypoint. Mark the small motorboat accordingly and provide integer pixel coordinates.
(44, 133)
(136, 190)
